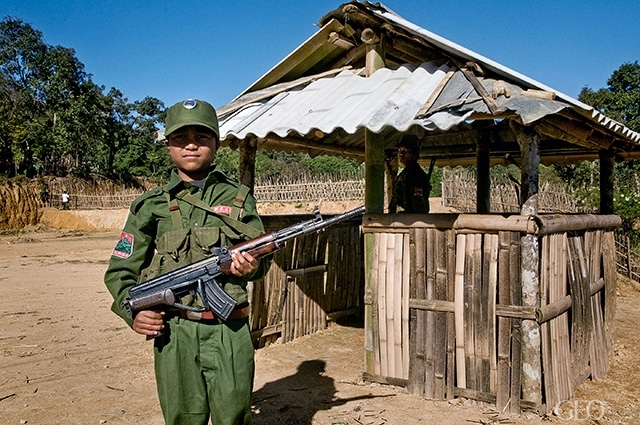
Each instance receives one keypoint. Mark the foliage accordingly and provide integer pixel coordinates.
(54, 120)
(228, 161)
(620, 100)
(277, 167)
(627, 206)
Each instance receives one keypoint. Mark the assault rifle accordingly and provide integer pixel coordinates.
(200, 277)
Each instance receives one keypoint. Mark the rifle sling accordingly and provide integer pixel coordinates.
(184, 195)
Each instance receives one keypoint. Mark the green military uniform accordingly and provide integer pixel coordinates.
(202, 368)
(411, 190)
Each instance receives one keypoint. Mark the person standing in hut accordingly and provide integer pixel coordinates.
(204, 366)
(412, 187)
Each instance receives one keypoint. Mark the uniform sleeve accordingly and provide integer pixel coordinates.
(250, 216)
(132, 253)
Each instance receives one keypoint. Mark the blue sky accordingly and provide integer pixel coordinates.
(213, 50)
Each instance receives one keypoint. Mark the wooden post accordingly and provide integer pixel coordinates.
(606, 181)
(374, 143)
(247, 166)
(374, 203)
(483, 188)
(531, 381)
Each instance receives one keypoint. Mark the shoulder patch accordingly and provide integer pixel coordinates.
(124, 247)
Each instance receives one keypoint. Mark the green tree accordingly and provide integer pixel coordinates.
(49, 105)
(620, 100)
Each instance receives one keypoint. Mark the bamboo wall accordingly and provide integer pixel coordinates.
(445, 305)
(313, 280)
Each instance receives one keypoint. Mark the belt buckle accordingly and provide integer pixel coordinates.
(200, 315)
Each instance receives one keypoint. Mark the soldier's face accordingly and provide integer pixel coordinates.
(193, 149)
(406, 156)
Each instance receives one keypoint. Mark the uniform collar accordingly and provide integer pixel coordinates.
(215, 176)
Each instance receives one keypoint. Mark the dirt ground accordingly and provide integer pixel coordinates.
(66, 359)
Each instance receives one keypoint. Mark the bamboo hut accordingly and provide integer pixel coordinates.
(510, 309)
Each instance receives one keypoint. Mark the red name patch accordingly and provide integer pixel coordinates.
(221, 209)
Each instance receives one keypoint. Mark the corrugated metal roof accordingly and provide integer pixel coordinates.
(347, 101)
(328, 112)
(451, 47)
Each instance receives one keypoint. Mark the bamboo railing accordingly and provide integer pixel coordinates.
(447, 311)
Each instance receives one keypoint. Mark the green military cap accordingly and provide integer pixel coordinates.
(191, 112)
(411, 142)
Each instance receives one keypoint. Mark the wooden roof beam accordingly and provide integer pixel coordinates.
(303, 145)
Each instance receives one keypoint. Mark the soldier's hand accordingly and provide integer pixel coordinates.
(242, 263)
(148, 322)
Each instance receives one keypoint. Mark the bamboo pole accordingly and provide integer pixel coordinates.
(548, 368)
(610, 286)
(397, 285)
(371, 323)
(491, 312)
(451, 322)
(469, 343)
(430, 318)
(382, 304)
(440, 343)
(461, 376)
(516, 324)
(416, 340)
(563, 335)
(406, 282)
(504, 324)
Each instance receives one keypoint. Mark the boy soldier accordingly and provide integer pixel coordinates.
(412, 187)
(204, 367)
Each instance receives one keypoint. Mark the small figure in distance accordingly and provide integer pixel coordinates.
(65, 200)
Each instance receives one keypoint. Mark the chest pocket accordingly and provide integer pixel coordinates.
(181, 247)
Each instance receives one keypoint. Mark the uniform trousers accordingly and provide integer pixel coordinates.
(205, 369)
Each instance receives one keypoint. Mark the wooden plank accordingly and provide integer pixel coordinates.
(440, 295)
(470, 303)
(461, 375)
(451, 328)
(416, 343)
(430, 318)
(406, 282)
(398, 284)
(580, 309)
(492, 285)
(516, 324)
(389, 305)
(599, 352)
(504, 325)
(482, 329)
(564, 377)
(610, 285)
(382, 303)
(545, 332)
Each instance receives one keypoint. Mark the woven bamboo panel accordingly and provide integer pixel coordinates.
(311, 279)
(466, 313)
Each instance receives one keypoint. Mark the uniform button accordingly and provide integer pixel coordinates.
(195, 224)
